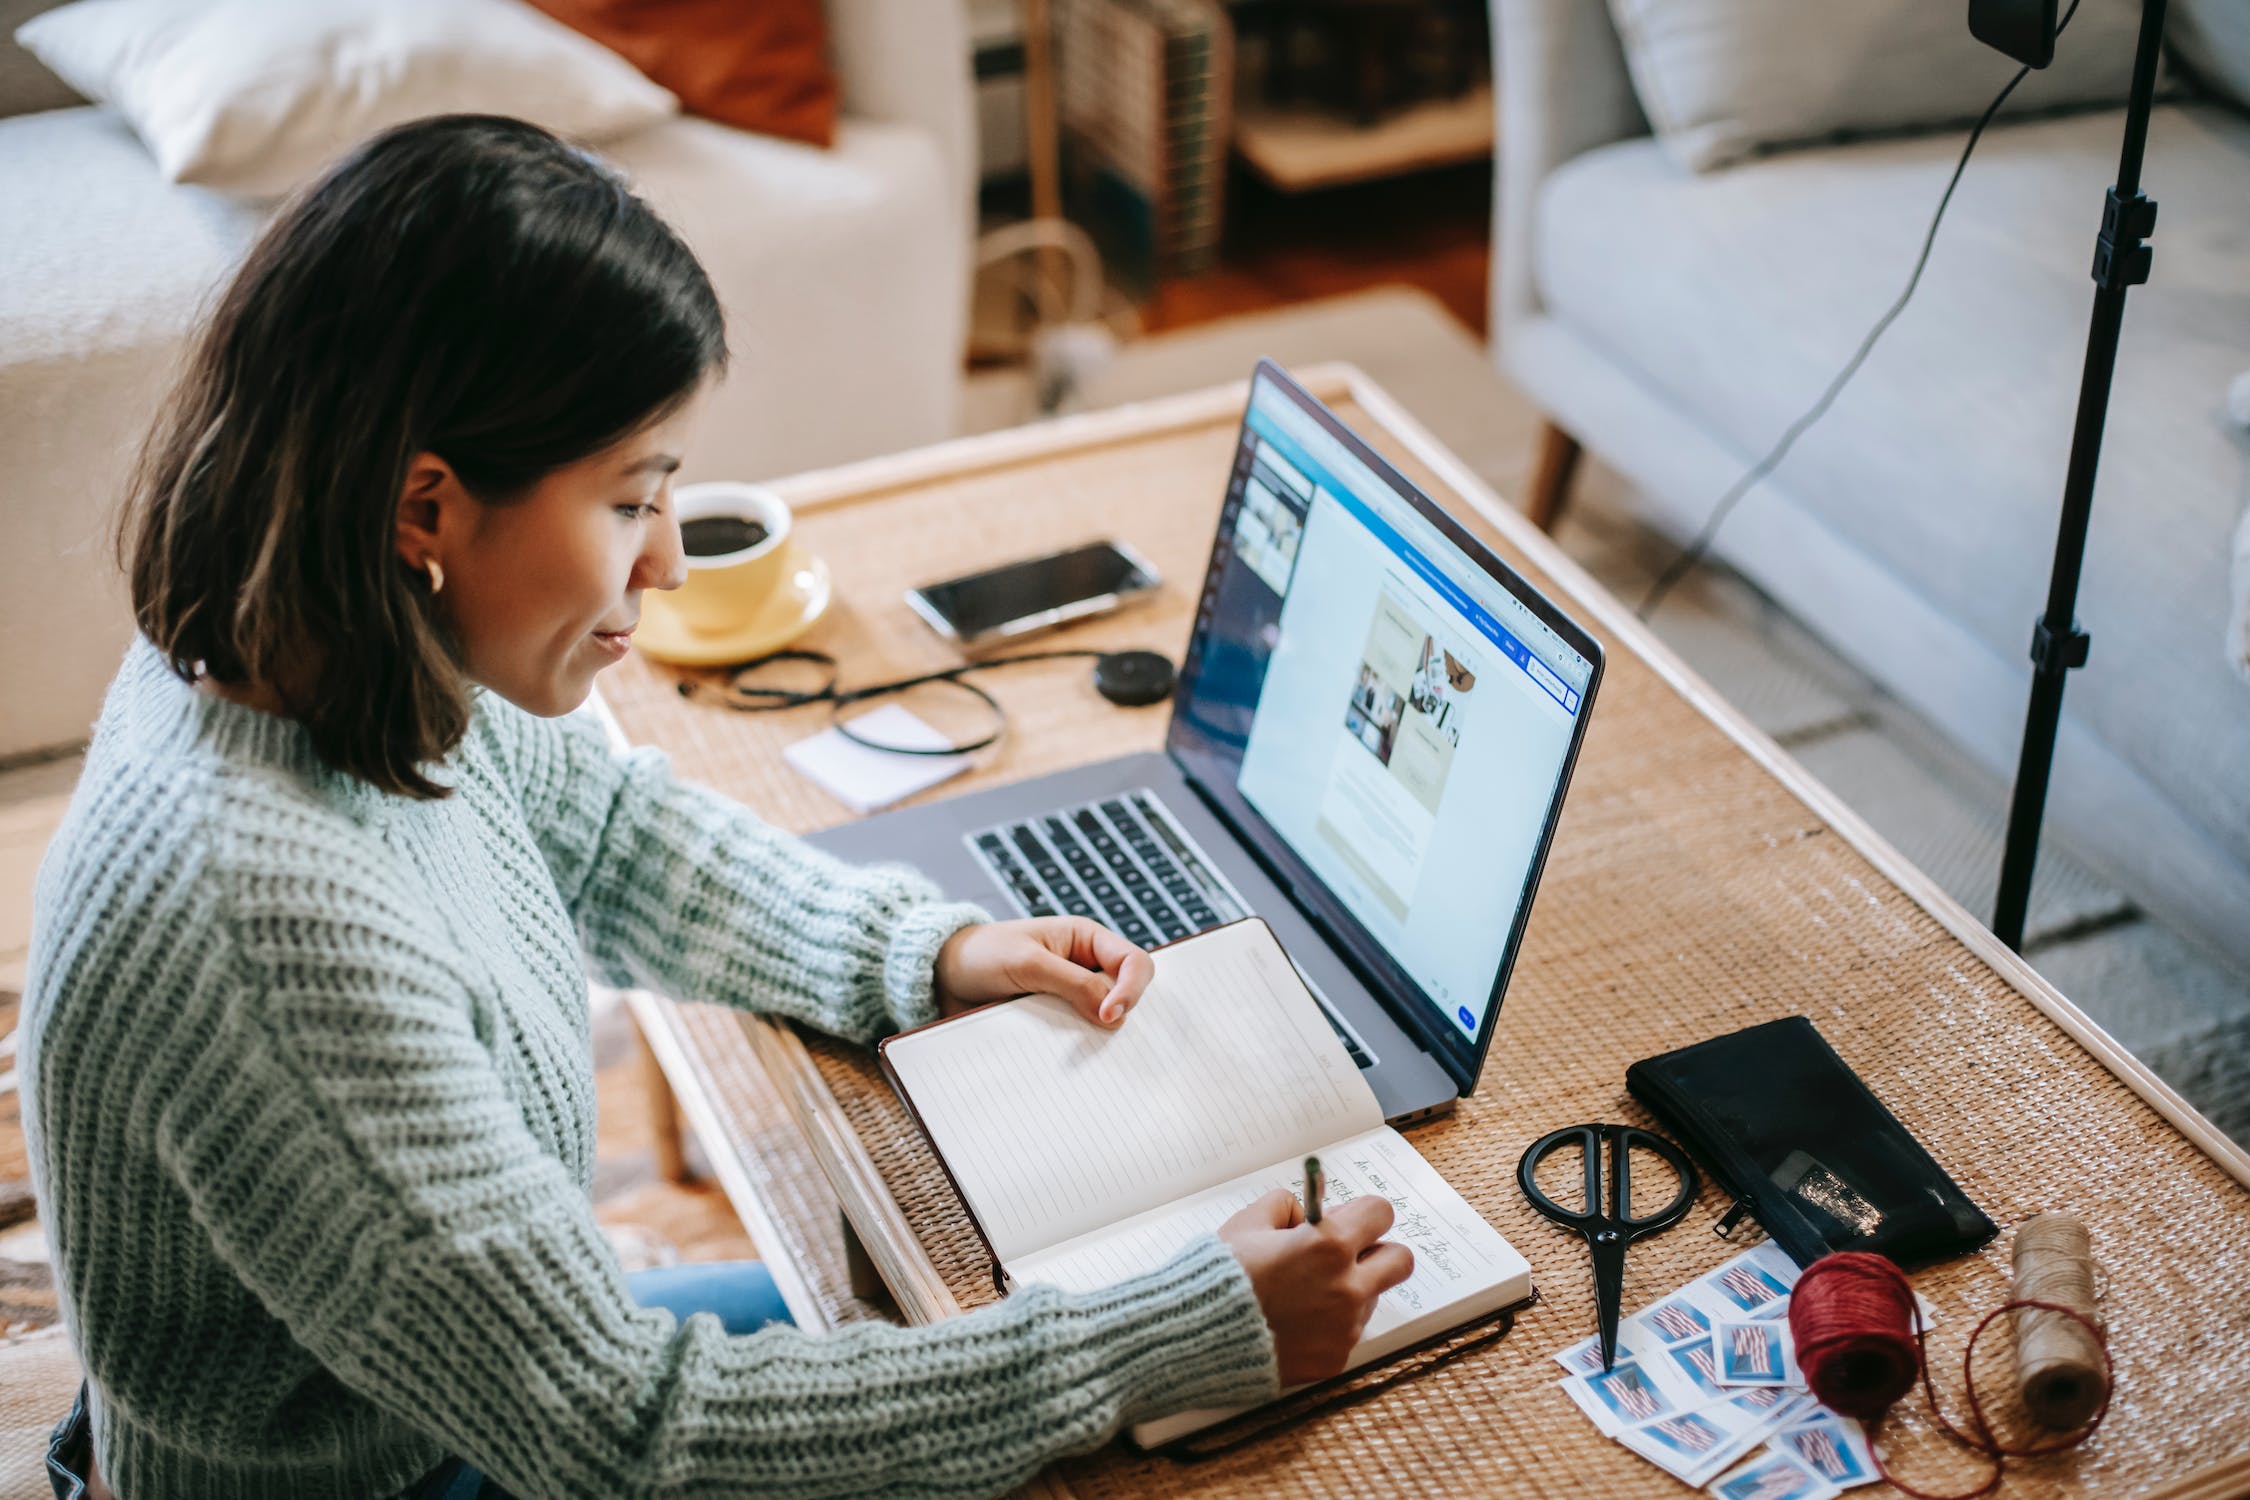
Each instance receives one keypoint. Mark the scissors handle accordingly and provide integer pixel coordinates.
(1610, 1209)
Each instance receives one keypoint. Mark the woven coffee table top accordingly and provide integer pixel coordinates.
(1698, 883)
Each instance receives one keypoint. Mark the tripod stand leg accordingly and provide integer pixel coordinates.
(2121, 260)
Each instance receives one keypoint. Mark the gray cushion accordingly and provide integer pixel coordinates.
(1721, 78)
(104, 255)
(1737, 296)
(2213, 39)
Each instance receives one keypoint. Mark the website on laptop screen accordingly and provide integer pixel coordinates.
(1411, 717)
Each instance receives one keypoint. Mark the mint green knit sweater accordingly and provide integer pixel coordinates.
(311, 1114)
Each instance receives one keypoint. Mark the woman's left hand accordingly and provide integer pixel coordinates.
(1099, 973)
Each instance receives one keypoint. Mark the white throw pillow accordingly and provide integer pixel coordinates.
(1720, 79)
(254, 97)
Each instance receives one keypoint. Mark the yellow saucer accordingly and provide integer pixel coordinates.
(802, 599)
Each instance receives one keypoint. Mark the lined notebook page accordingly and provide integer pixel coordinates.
(1462, 1267)
(1053, 1126)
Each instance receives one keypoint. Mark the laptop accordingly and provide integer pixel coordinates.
(1370, 740)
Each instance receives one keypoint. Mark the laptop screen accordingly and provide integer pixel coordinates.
(1384, 707)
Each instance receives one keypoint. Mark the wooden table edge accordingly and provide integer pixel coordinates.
(655, 1015)
(875, 1216)
(2228, 1479)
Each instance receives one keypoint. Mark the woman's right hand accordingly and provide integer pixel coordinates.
(1316, 1283)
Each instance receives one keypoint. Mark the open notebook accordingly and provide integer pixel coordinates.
(1086, 1156)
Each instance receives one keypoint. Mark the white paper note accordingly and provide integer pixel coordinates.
(864, 779)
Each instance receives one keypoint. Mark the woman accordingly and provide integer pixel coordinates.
(306, 1038)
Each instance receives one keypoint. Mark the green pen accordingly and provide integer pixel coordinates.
(1315, 1185)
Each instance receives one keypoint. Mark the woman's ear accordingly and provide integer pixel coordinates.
(429, 506)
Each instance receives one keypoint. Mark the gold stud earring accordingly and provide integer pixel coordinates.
(437, 574)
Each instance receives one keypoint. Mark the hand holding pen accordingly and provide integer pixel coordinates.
(1316, 1273)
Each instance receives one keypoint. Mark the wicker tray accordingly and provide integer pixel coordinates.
(1698, 883)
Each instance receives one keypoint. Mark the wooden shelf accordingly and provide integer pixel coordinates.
(1299, 149)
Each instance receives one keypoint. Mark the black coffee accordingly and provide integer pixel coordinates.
(716, 536)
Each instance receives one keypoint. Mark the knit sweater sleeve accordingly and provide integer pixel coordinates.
(678, 889)
(350, 1149)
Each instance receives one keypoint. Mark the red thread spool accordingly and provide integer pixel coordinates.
(1852, 1315)
(1856, 1326)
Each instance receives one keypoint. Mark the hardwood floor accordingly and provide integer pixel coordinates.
(648, 1217)
(1432, 230)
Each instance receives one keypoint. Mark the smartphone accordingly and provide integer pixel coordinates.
(1019, 598)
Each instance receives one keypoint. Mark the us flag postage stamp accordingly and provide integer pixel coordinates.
(1834, 1447)
(1774, 1476)
(1624, 1397)
(1755, 1353)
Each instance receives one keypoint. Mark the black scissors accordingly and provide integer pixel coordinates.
(1608, 1233)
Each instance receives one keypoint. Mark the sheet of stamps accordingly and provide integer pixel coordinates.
(1755, 1284)
(1689, 1399)
(1832, 1446)
(1693, 1446)
(1774, 1476)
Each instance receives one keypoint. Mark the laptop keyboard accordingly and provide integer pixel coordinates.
(1109, 861)
(1125, 863)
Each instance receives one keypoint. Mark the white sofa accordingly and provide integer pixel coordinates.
(1675, 323)
(844, 273)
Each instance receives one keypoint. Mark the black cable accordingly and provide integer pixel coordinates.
(754, 698)
(1694, 551)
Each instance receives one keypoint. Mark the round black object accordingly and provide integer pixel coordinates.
(1133, 678)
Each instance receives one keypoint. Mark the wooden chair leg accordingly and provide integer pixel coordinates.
(1550, 478)
(664, 1118)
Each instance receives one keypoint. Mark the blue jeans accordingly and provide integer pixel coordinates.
(741, 1292)
(70, 1452)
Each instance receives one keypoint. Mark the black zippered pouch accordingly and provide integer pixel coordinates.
(1802, 1145)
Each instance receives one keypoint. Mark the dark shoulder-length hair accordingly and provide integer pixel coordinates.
(467, 286)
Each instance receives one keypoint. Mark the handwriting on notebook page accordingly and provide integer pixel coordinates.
(1456, 1253)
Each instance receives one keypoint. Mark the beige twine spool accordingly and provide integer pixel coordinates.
(2058, 1361)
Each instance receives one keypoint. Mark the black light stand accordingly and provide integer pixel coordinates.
(2121, 260)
